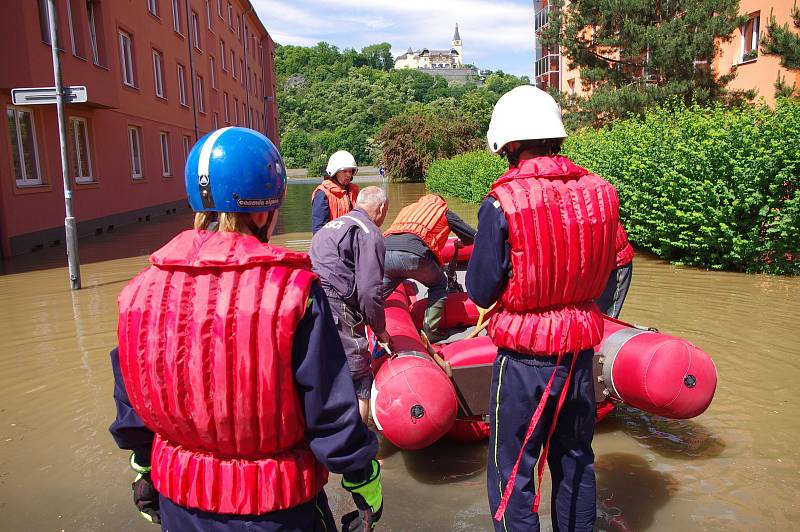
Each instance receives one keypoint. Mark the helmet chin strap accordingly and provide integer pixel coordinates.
(261, 233)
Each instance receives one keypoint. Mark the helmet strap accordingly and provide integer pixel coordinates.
(261, 233)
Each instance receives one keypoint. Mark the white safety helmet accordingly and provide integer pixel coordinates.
(524, 113)
(341, 160)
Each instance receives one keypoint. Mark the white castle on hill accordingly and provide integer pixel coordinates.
(427, 58)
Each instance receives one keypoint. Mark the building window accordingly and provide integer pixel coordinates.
(215, 117)
(176, 16)
(219, 8)
(152, 7)
(22, 134)
(236, 111)
(126, 57)
(181, 84)
(233, 64)
(79, 145)
(222, 54)
(239, 27)
(196, 30)
(208, 13)
(241, 71)
(91, 13)
(244, 114)
(200, 99)
(749, 47)
(212, 71)
(76, 37)
(187, 143)
(166, 170)
(227, 110)
(135, 144)
(230, 15)
(250, 117)
(158, 73)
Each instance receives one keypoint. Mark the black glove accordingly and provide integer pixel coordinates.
(145, 497)
(358, 521)
(368, 497)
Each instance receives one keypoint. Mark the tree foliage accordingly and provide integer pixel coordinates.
(785, 43)
(342, 99)
(633, 54)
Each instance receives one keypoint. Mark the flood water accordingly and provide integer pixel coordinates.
(733, 468)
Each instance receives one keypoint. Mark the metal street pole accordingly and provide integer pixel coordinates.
(69, 220)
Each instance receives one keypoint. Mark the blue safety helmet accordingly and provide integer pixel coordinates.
(235, 169)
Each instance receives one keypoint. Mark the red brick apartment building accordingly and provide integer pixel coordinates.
(753, 69)
(159, 74)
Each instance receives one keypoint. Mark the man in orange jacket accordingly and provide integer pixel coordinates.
(414, 244)
(337, 194)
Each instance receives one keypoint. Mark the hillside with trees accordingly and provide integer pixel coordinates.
(331, 99)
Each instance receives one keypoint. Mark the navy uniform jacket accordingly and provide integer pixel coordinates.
(490, 263)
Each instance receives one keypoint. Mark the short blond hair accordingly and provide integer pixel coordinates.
(234, 222)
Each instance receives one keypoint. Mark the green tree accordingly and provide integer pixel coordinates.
(296, 149)
(636, 53)
(785, 43)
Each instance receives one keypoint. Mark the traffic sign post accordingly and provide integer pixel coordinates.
(48, 95)
(69, 220)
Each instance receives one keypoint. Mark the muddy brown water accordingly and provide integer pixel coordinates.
(733, 468)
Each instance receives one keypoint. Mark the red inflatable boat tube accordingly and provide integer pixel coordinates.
(464, 253)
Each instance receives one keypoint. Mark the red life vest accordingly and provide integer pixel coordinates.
(562, 224)
(340, 200)
(426, 218)
(205, 348)
(624, 248)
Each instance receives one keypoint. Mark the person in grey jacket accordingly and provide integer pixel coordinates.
(348, 253)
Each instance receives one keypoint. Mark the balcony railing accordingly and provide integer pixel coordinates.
(546, 64)
(541, 18)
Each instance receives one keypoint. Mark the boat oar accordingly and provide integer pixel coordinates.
(482, 321)
(442, 363)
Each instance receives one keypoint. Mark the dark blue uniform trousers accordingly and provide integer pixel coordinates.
(518, 381)
(312, 516)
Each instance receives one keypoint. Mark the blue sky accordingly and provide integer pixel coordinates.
(495, 34)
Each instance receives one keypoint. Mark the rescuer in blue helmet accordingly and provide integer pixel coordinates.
(231, 385)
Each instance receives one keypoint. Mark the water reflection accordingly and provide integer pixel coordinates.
(673, 438)
(446, 462)
(630, 492)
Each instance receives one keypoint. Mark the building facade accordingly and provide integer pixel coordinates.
(159, 74)
(753, 69)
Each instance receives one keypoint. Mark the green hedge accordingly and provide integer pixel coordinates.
(467, 176)
(712, 187)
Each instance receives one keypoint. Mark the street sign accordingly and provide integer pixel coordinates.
(47, 95)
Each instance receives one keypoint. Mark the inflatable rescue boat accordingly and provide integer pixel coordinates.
(423, 392)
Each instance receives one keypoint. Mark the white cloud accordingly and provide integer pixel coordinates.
(494, 33)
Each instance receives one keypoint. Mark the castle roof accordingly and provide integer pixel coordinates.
(456, 36)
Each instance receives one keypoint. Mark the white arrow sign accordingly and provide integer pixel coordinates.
(47, 95)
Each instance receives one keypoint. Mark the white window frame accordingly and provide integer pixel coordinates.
(176, 16)
(24, 180)
(753, 45)
(244, 114)
(73, 120)
(208, 14)
(93, 33)
(227, 107)
(236, 111)
(215, 120)
(230, 15)
(222, 55)
(201, 105)
(195, 18)
(212, 71)
(163, 140)
(152, 7)
(219, 9)
(239, 27)
(126, 58)
(233, 64)
(135, 148)
(158, 73)
(241, 71)
(186, 146)
(182, 85)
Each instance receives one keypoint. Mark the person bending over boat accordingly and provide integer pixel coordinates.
(337, 194)
(414, 244)
(347, 254)
(544, 250)
(231, 385)
(613, 296)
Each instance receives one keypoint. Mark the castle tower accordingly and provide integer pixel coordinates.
(457, 46)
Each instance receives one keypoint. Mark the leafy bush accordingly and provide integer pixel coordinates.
(710, 187)
(706, 186)
(467, 176)
(412, 140)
